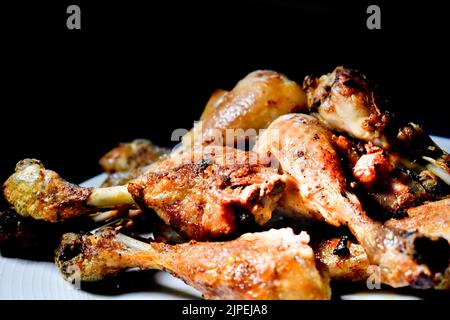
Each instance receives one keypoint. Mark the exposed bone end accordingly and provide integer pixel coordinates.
(276, 264)
(355, 265)
(403, 264)
(110, 197)
(43, 194)
(431, 219)
(86, 257)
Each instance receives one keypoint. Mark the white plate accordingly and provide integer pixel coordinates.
(24, 279)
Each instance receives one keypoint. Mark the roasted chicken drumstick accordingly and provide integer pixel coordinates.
(231, 118)
(304, 149)
(202, 194)
(269, 265)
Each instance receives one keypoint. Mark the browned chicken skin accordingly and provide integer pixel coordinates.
(345, 102)
(205, 193)
(44, 195)
(348, 261)
(393, 180)
(355, 266)
(201, 198)
(202, 194)
(253, 104)
(304, 149)
(269, 265)
(406, 170)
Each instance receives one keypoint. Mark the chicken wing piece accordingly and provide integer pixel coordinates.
(253, 104)
(269, 265)
(202, 195)
(345, 102)
(132, 155)
(303, 147)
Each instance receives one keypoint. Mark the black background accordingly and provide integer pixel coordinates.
(143, 69)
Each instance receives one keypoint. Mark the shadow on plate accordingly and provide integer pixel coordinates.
(132, 281)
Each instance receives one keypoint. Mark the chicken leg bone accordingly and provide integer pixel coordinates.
(269, 265)
(304, 149)
(202, 195)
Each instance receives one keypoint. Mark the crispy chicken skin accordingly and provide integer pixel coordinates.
(269, 265)
(210, 189)
(431, 220)
(253, 104)
(204, 197)
(44, 195)
(132, 155)
(303, 147)
(345, 102)
(355, 266)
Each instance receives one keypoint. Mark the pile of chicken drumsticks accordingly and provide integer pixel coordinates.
(327, 153)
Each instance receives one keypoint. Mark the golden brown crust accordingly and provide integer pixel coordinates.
(305, 150)
(356, 266)
(269, 265)
(345, 102)
(43, 194)
(200, 195)
(253, 104)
